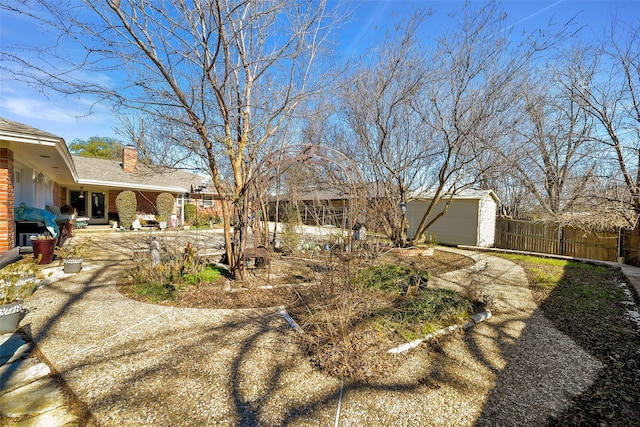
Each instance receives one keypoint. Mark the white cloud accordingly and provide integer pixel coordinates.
(65, 117)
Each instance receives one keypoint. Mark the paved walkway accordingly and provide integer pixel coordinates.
(204, 367)
(31, 394)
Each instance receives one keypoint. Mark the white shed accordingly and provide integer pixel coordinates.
(470, 219)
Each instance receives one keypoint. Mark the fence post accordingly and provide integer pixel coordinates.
(624, 242)
(619, 244)
(560, 243)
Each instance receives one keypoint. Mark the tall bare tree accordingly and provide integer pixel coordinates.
(220, 76)
(547, 149)
(424, 116)
(474, 73)
(388, 141)
(605, 81)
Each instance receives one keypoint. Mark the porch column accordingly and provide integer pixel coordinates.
(7, 224)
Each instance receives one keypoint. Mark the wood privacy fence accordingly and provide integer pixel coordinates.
(630, 246)
(555, 239)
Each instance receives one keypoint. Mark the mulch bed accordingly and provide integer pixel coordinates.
(297, 283)
(291, 276)
(609, 335)
(614, 398)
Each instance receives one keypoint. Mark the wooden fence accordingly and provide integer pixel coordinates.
(630, 246)
(558, 240)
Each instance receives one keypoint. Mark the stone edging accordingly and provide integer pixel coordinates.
(412, 251)
(476, 318)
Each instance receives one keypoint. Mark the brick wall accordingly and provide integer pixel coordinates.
(7, 224)
(59, 195)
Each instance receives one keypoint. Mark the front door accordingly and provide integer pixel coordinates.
(90, 205)
(79, 202)
(97, 206)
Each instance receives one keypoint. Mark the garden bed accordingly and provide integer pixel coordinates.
(289, 275)
(349, 326)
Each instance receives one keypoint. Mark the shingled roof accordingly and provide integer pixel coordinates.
(42, 151)
(110, 173)
(8, 127)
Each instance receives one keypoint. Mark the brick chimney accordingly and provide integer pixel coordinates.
(130, 159)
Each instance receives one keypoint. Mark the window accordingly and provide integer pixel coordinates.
(207, 201)
(187, 199)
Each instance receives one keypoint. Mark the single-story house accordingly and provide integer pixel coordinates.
(316, 207)
(470, 218)
(37, 170)
(329, 205)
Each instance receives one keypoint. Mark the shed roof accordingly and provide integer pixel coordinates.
(466, 194)
(343, 192)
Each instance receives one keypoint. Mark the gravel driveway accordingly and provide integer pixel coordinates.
(139, 364)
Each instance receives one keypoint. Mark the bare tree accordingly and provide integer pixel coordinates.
(220, 76)
(474, 73)
(605, 81)
(547, 149)
(388, 141)
(424, 117)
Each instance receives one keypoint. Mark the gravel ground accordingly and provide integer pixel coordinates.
(139, 364)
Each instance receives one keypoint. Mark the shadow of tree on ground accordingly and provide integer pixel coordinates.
(134, 363)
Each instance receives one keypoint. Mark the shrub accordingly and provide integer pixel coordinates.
(393, 278)
(291, 221)
(73, 251)
(205, 220)
(291, 215)
(189, 213)
(155, 292)
(428, 311)
(126, 205)
(209, 275)
(163, 282)
(354, 310)
(18, 279)
(164, 205)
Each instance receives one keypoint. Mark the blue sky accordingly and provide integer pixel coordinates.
(67, 117)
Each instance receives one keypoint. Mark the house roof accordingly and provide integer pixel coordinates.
(49, 154)
(373, 190)
(323, 195)
(101, 172)
(40, 150)
(345, 192)
(24, 131)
